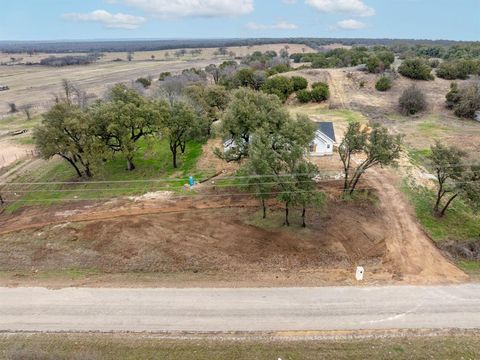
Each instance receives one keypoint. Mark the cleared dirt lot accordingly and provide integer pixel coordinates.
(218, 241)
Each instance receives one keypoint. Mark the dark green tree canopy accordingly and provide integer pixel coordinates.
(67, 131)
(416, 69)
(125, 119)
(247, 112)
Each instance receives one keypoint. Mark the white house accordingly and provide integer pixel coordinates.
(324, 140)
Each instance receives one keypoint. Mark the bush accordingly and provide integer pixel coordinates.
(453, 70)
(453, 96)
(320, 92)
(304, 96)
(416, 69)
(412, 101)
(164, 75)
(144, 81)
(280, 86)
(299, 83)
(374, 65)
(469, 101)
(434, 63)
(278, 69)
(244, 78)
(386, 57)
(383, 84)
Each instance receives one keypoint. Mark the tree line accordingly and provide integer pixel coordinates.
(154, 45)
(86, 136)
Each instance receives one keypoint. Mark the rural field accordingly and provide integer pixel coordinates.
(37, 85)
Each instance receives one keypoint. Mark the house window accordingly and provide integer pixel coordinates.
(313, 147)
(328, 146)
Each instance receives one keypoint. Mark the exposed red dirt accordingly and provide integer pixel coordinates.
(223, 240)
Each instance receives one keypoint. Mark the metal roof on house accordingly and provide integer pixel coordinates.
(327, 129)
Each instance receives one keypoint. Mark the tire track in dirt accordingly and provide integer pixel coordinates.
(410, 252)
(336, 83)
(11, 225)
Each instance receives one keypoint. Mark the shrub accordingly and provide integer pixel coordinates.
(299, 83)
(386, 57)
(469, 101)
(144, 81)
(375, 65)
(278, 69)
(383, 84)
(434, 63)
(416, 69)
(13, 107)
(164, 75)
(280, 86)
(452, 70)
(320, 92)
(244, 78)
(453, 96)
(412, 101)
(304, 96)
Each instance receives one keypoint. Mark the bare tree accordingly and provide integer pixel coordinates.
(67, 90)
(27, 110)
(74, 95)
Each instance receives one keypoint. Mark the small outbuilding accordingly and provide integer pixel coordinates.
(324, 140)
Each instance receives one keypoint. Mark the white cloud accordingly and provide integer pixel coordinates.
(193, 8)
(281, 25)
(116, 21)
(351, 24)
(354, 7)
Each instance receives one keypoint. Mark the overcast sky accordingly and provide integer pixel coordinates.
(114, 19)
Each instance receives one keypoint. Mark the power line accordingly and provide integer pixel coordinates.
(171, 197)
(186, 179)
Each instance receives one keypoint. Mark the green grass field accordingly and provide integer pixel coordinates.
(138, 347)
(153, 162)
(419, 156)
(320, 110)
(460, 223)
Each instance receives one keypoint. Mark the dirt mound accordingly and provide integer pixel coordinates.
(209, 239)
